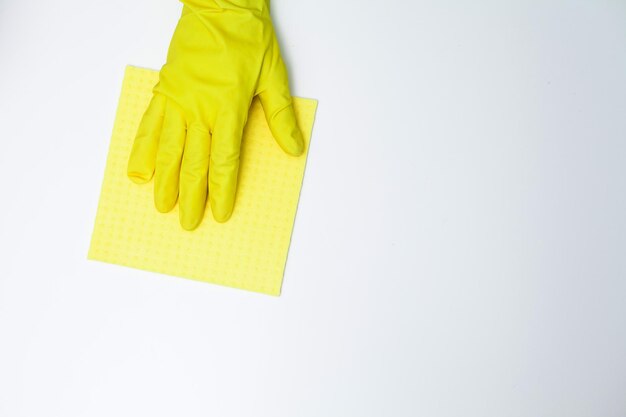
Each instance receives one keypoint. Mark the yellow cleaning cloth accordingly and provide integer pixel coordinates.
(249, 251)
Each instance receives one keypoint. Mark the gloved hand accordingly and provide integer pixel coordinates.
(222, 54)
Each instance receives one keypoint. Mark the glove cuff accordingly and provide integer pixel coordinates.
(227, 4)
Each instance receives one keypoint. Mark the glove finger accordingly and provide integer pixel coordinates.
(224, 166)
(279, 112)
(194, 176)
(168, 158)
(143, 155)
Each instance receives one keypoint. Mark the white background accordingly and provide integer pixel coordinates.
(459, 248)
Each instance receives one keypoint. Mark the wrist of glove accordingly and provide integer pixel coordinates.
(228, 4)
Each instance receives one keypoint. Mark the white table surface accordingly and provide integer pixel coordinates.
(460, 244)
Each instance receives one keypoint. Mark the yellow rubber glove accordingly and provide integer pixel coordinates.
(222, 54)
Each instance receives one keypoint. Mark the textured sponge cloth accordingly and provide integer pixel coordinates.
(249, 251)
